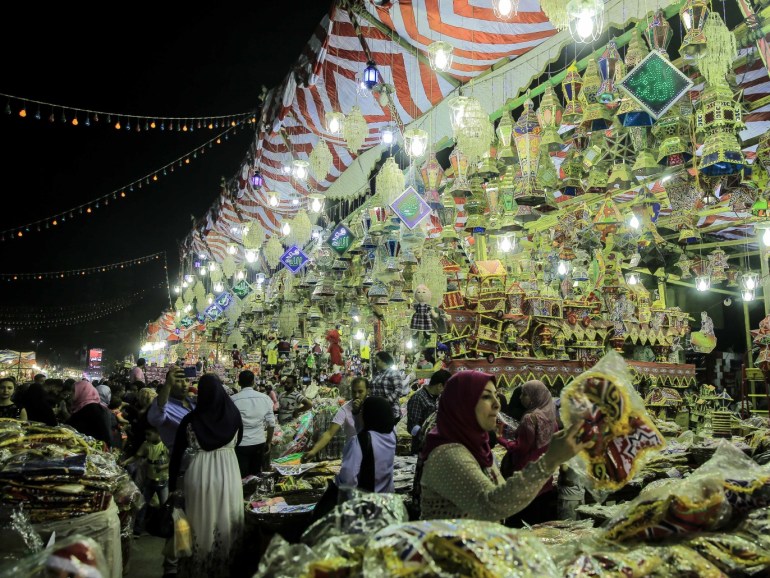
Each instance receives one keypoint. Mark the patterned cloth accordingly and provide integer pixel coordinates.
(287, 403)
(421, 320)
(418, 408)
(389, 384)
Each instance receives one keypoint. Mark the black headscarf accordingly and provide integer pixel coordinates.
(35, 402)
(215, 420)
(377, 415)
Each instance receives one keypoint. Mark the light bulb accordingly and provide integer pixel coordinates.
(585, 26)
(505, 8)
(185, 284)
(418, 146)
(177, 289)
(634, 222)
(334, 125)
(356, 318)
(750, 283)
(300, 172)
(218, 287)
(505, 245)
(203, 271)
(189, 278)
(409, 344)
(240, 275)
(211, 300)
(286, 229)
(273, 200)
(251, 256)
(702, 283)
(295, 202)
(562, 268)
(748, 295)
(232, 249)
(441, 60)
(360, 335)
(386, 136)
(766, 238)
(316, 206)
(633, 279)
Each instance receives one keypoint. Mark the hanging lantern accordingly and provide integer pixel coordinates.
(693, 14)
(273, 251)
(527, 135)
(472, 129)
(586, 19)
(432, 176)
(607, 65)
(550, 115)
(607, 218)
(299, 169)
(440, 55)
(371, 76)
(390, 181)
(718, 116)
(316, 202)
(273, 199)
(232, 248)
(321, 160)
(749, 281)
(703, 282)
(572, 167)
(504, 129)
(505, 9)
(335, 121)
(672, 134)
(355, 130)
(388, 135)
(658, 33)
(416, 142)
(257, 180)
(596, 116)
(571, 86)
(447, 214)
(460, 185)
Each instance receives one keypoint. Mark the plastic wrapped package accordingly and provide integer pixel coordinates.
(362, 513)
(17, 535)
(756, 527)
(449, 548)
(726, 487)
(565, 539)
(734, 554)
(73, 557)
(614, 418)
(302, 429)
(284, 560)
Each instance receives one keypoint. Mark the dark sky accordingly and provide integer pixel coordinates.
(152, 61)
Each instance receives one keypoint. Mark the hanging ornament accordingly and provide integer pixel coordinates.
(253, 235)
(235, 338)
(586, 19)
(215, 273)
(440, 55)
(228, 266)
(556, 12)
(179, 304)
(472, 129)
(721, 50)
(301, 228)
(273, 251)
(390, 181)
(321, 160)
(658, 34)
(355, 130)
(693, 14)
(571, 86)
(549, 115)
(200, 292)
(188, 296)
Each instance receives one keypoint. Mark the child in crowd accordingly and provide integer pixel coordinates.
(156, 463)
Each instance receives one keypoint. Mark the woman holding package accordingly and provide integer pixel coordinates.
(459, 478)
(530, 441)
(213, 494)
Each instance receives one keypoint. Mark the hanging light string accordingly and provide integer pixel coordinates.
(90, 206)
(77, 116)
(95, 311)
(82, 272)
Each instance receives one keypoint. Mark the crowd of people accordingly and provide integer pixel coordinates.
(194, 441)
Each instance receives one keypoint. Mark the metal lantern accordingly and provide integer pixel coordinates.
(570, 87)
(550, 114)
(371, 76)
(658, 33)
(416, 142)
(299, 169)
(608, 62)
(693, 14)
(460, 186)
(636, 50)
(432, 175)
(335, 121)
(447, 214)
(586, 19)
(505, 129)
(527, 135)
(596, 116)
(257, 180)
(719, 116)
(440, 55)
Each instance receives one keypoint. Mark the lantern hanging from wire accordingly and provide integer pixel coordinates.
(415, 142)
(390, 181)
(440, 55)
(571, 86)
(299, 169)
(608, 62)
(586, 19)
(257, 180)
(693, 15)
(474, 132)
(549, 115)
(355, 130)
(658, 33)
(596, 116)
(371, 76)
(335, 121)
(432, 175)
(321, 160)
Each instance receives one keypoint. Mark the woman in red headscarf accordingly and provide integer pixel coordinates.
(531, 440)
(459, 477)
(89, 416)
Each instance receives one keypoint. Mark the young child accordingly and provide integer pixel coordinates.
(156, 462)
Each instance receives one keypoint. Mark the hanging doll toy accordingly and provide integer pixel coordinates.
(335, 350)
(426, 319)
(237, 360)
(271, 350)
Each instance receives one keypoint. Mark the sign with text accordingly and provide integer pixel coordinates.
(341, 239)
(294, 259)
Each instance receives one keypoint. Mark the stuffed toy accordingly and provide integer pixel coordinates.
(335, 350)
(237, 360)
(426, 319)
(271, 349)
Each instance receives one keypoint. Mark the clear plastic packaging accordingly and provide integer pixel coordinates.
(73, 557)
(17, 535)
(450, 548)
(615, 419)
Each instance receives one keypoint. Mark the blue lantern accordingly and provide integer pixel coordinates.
(371, 75)
(257, 180)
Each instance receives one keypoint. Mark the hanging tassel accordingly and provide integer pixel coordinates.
(273, 252)
(228, 266)
(390, 181)
(321, 160)
(556, 12)
(720, 52)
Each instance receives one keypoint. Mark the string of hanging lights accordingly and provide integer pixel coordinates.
(82, 116)
(120, 193)
(49, 317)
(82, 272)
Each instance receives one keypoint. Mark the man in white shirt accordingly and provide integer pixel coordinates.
(258, 424)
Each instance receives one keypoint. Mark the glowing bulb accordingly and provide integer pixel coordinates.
(211, 300)
(386, 136)
(562, 268)
(251, 256)
(750, 283)
(634, 222)
(315, 205)
(300, 170)
(240, 275)
(334, 125)
(506, 245)
(177, 290)
(418, 147)
(748, 295)
(703, 283)
(356, 318)
(286, 229)
(505, 8)
(359, 335)
(766, 238)
(633, 279)
(409, 344)
(203, 271)
(585, 26)
(218, 287)
(441, 60)
(189, 278)
(184, 284)
(232, 249)
(273, 200)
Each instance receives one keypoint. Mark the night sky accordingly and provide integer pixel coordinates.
(147, 63)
